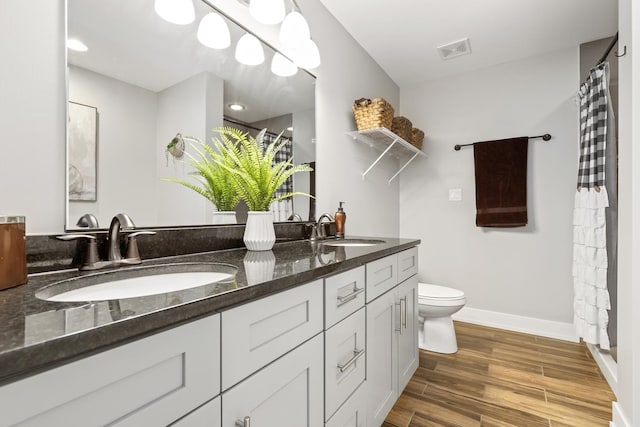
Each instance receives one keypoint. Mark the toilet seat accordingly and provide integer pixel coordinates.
(439, 295)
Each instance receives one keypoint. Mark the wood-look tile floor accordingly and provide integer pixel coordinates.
(500, 378)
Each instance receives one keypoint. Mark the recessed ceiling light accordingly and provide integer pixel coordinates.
(77, 45)
(236, 107)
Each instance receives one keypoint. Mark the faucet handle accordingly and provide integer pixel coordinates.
(133, 255)
(91, 257)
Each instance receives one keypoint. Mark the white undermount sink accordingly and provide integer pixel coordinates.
(137, 282)
(352, 242)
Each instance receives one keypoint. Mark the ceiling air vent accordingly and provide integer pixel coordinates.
(455, 49)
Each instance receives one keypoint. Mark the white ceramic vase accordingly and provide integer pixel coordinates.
(259, 234)
(224, 217)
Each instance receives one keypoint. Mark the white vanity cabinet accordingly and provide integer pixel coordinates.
(392, 334)
(272, 360)
(149, 382)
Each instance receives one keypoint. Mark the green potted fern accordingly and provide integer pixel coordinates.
(255, 177)
(211, 180)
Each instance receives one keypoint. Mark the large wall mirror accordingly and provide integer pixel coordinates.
(142, 81)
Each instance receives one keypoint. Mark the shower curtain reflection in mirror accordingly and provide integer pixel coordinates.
(82, 152)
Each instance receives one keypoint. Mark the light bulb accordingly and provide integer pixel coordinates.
(249, 50)
(294, 30)
(307, 55)
(281, 66)
(267, 11)
(179, 12)
(213, 32)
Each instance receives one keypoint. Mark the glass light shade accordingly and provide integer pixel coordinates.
(249, 50)
(77, 45)
(307, 55)
(213, 32)
(281, 66)
(179, 12)
(267, 11)
(294, 30)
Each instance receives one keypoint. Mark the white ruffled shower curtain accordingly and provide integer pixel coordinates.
(591, 296)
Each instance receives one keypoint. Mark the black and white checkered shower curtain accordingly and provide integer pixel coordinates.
(591, 297)
(284, 208)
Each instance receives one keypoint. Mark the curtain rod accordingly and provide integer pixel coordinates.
(235, 122)
(608, 51)
(545, 137)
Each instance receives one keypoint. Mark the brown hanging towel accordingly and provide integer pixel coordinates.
(501, 182)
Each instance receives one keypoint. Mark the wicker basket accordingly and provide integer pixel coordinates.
(417, 136)
(402, 126)
(372, 113)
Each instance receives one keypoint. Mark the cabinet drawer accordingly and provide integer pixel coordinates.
(382, 275)
(255, 334)
(286, 393)
(149, 382)
(343, 294)
(209, 414)
(344, 360)
(407, 264)
(354, 411)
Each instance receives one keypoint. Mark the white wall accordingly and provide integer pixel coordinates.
(126, 147)
(304, 151)
(626, 411)
(183, 108)
(520, 271)
(33, 113)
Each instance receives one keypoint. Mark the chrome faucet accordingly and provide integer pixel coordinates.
(120, 221)
(320, 228)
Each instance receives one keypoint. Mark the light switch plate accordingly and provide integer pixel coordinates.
(455, 194)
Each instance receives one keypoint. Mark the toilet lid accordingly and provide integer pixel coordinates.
(438, 292)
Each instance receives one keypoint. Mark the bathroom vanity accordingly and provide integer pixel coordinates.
(286, 347)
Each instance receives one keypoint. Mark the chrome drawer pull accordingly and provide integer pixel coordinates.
(244, 423)
(356, 356)
(404, 317)
(345, 299)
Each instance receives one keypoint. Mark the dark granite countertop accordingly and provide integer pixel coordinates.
(36, 335)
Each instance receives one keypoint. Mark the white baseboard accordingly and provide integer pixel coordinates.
(607, 365)
(512, 322)
(619, 420)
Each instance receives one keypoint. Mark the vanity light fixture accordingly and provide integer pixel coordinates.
(290, 128)
(77, 45)
(281, 66)
(236, 107)
(179, 12)
(213, 32)
(294, 29)
(307, 55)
(249, 50)
(267, 11)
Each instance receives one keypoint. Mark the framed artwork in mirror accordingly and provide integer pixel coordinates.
(82, 151)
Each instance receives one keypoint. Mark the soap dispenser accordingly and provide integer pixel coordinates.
(340, 218)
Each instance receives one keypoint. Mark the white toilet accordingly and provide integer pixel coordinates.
(436, 304)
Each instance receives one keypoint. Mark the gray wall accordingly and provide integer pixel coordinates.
(516, 271)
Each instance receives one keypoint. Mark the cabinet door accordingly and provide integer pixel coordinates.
(382, 365)
(354, 411)
(408, 334)
(344, 360)
(286, 393)
(255, 334)
(150, 382)
(208, 415)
